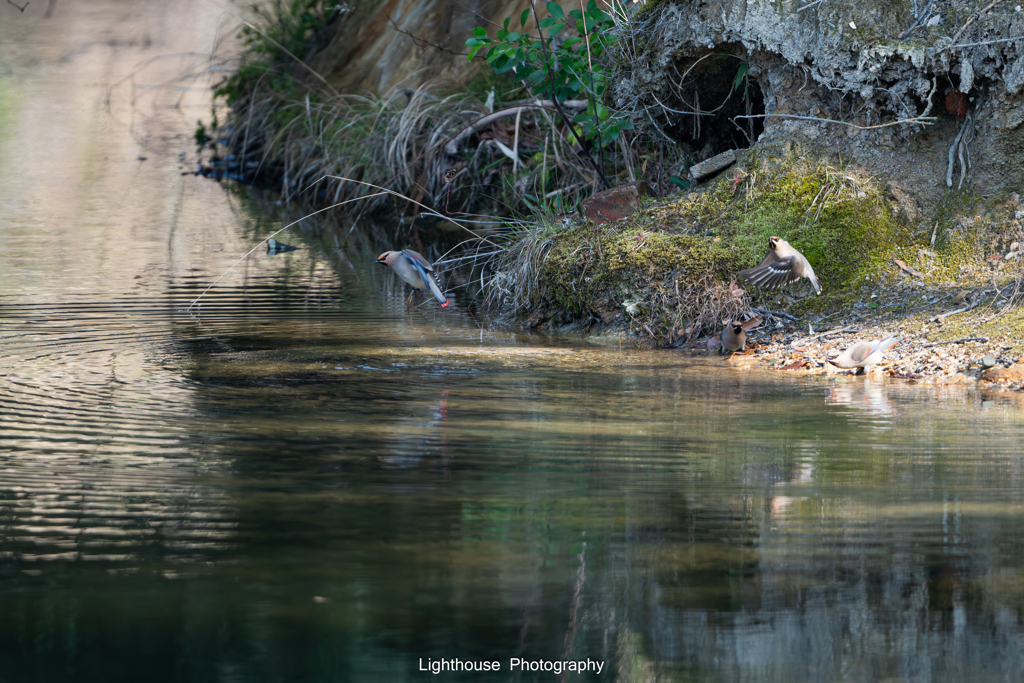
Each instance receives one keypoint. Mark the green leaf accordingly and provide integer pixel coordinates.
(676, 180)
(500, 35)
(569, 42)
(507, 20)
(503, 64)
(472, 53)
(556, 28)
(480, 32)
(524, 16)
(513, 37)
(536, 78)
(744, 67)
(555, 10)
(547, 21)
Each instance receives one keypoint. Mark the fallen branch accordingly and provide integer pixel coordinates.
(825, 334)
(451, 146)
(21, 8)
(942, 316)
(908, 269)
(958, 341)
(921, 120)
(764, 311)
(985, 42)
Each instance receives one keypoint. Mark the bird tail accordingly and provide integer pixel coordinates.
(890, 341)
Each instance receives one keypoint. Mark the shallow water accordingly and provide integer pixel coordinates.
(303, 479)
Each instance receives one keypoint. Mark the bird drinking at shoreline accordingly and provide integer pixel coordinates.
(864, 355)
(734, 336)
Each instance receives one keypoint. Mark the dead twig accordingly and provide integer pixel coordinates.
(765, 311)
(21, 8)
(985, 42)
(565, 118)
(969, 22)
(908, 269)
(941, 316)
(957, 341)
(812, 4)
(920, 120)
(825, 334)
(417, 41)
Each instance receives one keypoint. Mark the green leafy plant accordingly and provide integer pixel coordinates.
(560, 67)
(286, 30)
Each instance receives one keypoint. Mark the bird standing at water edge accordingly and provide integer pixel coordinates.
(781, 265)
(414, 269)
(734, 336)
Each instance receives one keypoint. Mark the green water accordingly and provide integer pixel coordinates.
(303, 479)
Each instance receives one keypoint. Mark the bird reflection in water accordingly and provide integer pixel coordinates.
(868, 396)
(415, 438)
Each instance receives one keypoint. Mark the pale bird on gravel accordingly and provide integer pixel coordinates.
(414, 269)
(865, 354)
(781, 265)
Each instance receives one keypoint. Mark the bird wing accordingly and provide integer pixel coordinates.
(853, 356)
(426, 273)
(804, 269)
(417, 256)
(774, 274)
(860, 351)
(770, 257)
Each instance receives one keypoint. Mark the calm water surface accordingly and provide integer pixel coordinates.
(304, 480)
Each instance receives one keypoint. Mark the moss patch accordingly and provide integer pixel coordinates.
(670, 266)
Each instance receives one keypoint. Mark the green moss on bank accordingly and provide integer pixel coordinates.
(669, 266)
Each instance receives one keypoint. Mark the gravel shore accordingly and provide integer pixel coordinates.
(925, 354)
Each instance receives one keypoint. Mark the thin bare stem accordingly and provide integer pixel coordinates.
(551, 77)
(265, 240)
(592, 93)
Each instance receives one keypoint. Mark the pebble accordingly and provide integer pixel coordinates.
(988, 362)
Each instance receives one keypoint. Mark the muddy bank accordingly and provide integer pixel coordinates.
(928, 95)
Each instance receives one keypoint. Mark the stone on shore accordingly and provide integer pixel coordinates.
(616, 203)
